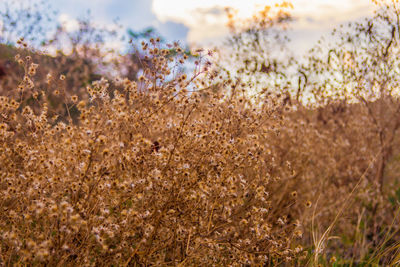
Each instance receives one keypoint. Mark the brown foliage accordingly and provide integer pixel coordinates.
(162, 172)
(221, 167)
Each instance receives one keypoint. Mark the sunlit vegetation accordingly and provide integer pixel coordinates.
(235, 157)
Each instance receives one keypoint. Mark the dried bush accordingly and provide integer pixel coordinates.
(162, 172)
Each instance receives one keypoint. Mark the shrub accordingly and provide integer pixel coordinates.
(163, 172)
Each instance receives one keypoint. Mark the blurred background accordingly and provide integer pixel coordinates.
(324, 103)
(199, 23)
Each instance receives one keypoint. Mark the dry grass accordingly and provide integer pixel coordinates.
(162, 172)
(190, 169)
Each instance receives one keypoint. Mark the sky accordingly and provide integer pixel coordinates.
(202, 22)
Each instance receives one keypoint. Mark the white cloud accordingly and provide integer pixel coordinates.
(70, 24)
(1, 27)
(206, 19)
(116, 45)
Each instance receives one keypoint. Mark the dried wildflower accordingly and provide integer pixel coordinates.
(32, 69)
(81, 104)
(3, 126)
(106, 152)
(298, 234)
(142, 78)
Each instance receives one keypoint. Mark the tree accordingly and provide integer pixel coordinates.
(255, 54)
(363, 67)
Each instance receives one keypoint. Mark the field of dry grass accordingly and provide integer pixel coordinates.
(187, 168)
